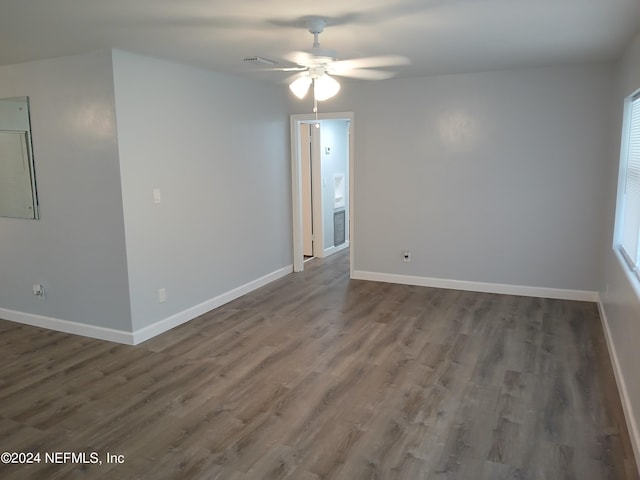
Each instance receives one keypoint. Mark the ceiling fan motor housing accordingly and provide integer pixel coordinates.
(316, 25)
(317, 71)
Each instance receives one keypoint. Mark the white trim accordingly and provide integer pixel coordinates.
(190, 313)
(630, 274)
(627, 406)
(296, 196)
(580, 295)
(351, 195)
(139, 336)
(66, 326)
(334, 249)
(316, 192)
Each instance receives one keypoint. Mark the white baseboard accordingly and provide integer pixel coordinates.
(627, 407)
(190, 313)
(93, 331)
(334, 249)
(138, 336)
(580, 295)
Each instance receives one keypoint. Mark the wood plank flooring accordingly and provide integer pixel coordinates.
(316, 377)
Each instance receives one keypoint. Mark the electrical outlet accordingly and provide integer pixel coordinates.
(162, 295)
(406, 256)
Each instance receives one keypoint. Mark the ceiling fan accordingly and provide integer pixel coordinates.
(318, 65)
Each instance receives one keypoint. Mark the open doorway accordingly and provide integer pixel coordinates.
(307, 156)
(322, 185)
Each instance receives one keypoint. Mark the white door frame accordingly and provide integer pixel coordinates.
(296, 184)
(307, 201)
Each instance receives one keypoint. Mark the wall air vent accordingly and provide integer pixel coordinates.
(260, 60)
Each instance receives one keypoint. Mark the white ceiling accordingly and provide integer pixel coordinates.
(439, 36)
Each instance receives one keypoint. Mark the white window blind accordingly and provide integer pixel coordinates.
(630, 231)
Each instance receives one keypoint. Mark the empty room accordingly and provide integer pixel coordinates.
(320, 240)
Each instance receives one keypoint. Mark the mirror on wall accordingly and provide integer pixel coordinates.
(18, 198)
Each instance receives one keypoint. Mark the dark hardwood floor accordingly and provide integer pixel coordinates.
(316, 376)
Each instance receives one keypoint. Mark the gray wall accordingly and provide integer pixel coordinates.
(77, 248)
(217, 147)
(489, 177)
(620, 302)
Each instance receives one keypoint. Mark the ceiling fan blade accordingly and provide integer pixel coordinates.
(348, 18)
(368, 62)
(203, 21)
(299, 58)
(363, 74)
(291, 78)
(291, 69)
(299, 68)
(312, 57)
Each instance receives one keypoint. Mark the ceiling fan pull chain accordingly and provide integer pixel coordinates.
(315, 110)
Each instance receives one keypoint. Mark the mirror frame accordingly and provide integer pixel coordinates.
(17, 126)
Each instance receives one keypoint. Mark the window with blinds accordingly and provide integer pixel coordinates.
(628, 226)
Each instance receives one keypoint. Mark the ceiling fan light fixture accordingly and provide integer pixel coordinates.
(300, 86)
(325, 87)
